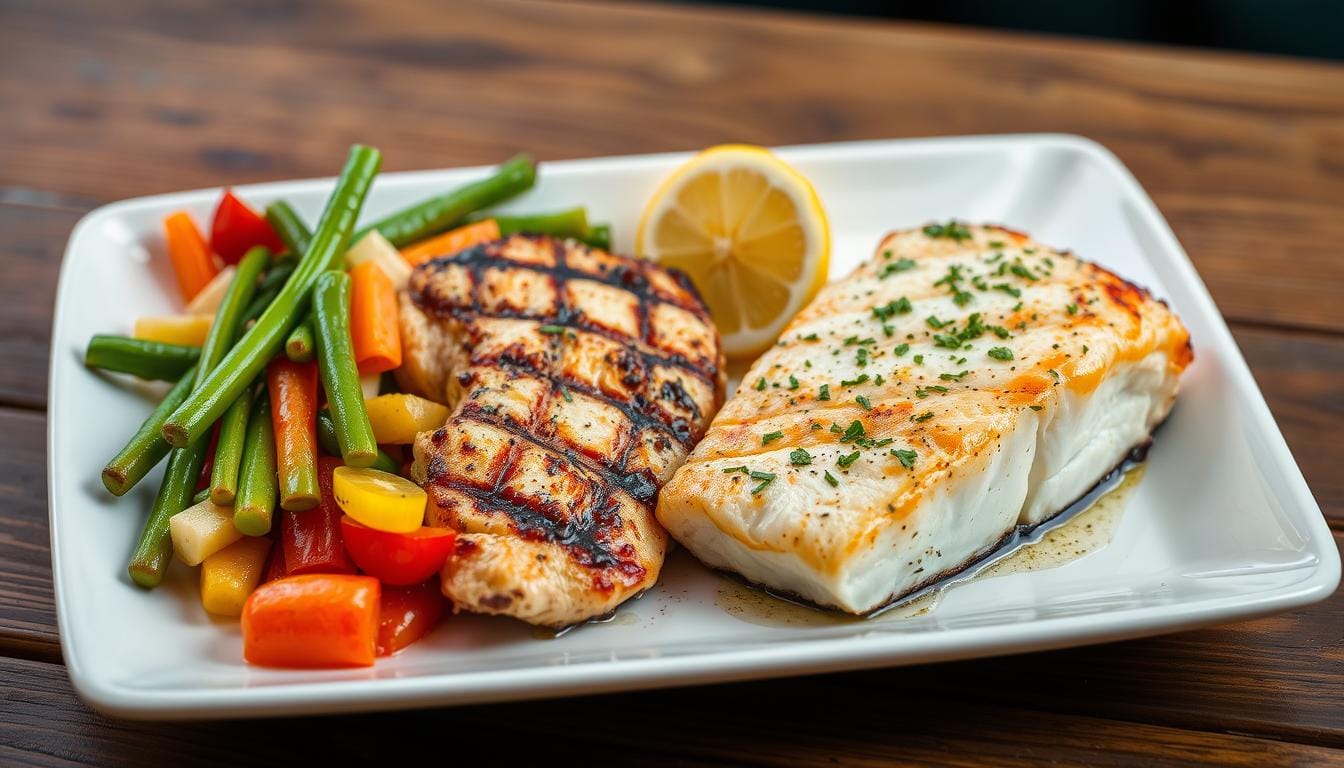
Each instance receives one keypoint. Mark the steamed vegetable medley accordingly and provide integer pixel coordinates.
(285, 438)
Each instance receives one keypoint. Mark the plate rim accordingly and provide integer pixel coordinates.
(805, 657)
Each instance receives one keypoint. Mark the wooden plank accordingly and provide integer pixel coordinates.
(31, 243)
(779, 723)
(1302, 378)
(108, 101)
(27, 603)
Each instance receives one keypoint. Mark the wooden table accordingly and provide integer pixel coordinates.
(1244, 155)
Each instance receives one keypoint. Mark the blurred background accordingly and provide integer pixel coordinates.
(1312, 28)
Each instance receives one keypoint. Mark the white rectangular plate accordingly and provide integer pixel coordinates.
(1221, 527)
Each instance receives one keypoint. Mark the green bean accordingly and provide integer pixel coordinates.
(275, 277)
(147, 447)
(155, 548)
(150, 360)
(229, 450)
(260, 303)
(299, 344)
(287, 223)
(599, 236)
(568, 223)
(326, 440)
(228, 319)
(263, 340)
(150, 558)
(326, 433)
(336, 366)
(255, 502)
(440, 213)
(386, 463)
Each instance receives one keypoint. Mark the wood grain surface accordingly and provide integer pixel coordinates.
(1243, 154)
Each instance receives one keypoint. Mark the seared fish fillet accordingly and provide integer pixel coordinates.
(579, 380)
(963, 382)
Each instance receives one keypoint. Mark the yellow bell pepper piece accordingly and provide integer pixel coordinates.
(379, 499)
(174, 329)
(229, 575)
(397, 419)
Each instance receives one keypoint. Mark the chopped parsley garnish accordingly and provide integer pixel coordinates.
(996, 243)
(923, 392)
(901, 349)
(564, 392)
(824, 393)
(861, 359)
(766, 478)
(1054, 373)
(743, 469)
(799, 457)
(999, 331)
(1084, 349)
(1036, 407)
(948, 340)
(962, 298)
(864, 403)
(853, 340)
(810, 337)
(1008, 289)
(895, 307)
(793, 381)
(953, 376)
(831, 479)
(919, 359)
(843, 462)
(900, 265)
(1000, 353)
(1022, 272)
(854, 432)
(878, 379)
(760, 385)
(952, 229)
(925, 416)
(770, 437)
(854, 382)
(552, 329)
(935, 323)
(906, 457)
(1072, 309)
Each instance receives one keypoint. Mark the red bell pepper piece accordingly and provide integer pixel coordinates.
(407, 614)
(208, 466)
(311, 538)
(275, 566)
(397, 558)
(236, 228)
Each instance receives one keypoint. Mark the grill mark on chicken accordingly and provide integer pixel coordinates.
(585, 380)
(627, 278)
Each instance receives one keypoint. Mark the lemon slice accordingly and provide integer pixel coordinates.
(749, 231)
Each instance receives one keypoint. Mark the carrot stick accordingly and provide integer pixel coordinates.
(451, 242)
(193, 263)
(293, 390)
(374, 328)
(317, 620)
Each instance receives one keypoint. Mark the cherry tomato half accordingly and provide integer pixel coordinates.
(397, 558)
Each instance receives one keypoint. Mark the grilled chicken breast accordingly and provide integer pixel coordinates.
(963, 382)
(579, 381)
